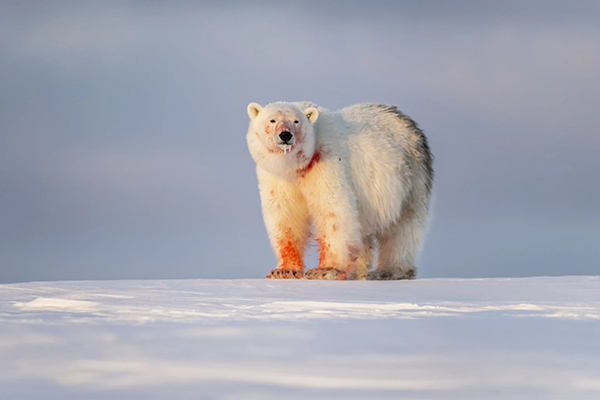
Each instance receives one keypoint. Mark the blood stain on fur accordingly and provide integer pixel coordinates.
(290, 255)
(325, 256)
(311, 163)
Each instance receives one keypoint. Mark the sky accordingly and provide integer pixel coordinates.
(122, 129)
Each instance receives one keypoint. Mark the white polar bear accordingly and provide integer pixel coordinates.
(358, 174)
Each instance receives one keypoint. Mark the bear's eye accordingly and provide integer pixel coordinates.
(272, 121)
(296, 121)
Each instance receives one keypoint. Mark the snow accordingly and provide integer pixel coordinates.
(263, 339)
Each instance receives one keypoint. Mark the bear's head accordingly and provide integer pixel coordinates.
(281, 137)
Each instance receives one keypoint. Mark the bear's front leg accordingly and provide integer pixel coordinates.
(337, 260)
(287, 221)
(333, 207)
(290, 263)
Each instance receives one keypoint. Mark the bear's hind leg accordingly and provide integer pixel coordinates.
(399, 247)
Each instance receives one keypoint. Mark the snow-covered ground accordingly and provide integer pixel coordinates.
(530, 338)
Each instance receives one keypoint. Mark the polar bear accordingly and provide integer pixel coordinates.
(358, 175)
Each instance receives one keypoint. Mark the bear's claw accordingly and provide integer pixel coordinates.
(390, 274)
(329, 274)
(284, 274)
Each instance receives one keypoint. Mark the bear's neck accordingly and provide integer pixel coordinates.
(302, 171)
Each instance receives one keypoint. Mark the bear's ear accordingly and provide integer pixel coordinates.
(254, 109)
(311, 113)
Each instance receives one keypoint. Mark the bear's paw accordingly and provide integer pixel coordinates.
(327, 274)
(281, 273)
(387, 274)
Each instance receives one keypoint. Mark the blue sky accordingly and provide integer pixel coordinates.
(122, 129)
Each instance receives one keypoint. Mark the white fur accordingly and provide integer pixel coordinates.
(355, 174)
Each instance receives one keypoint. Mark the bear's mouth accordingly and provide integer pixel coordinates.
(285, 147)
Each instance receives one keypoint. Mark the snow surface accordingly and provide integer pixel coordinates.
(525, 338)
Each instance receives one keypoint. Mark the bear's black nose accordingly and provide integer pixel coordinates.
(285, 136)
